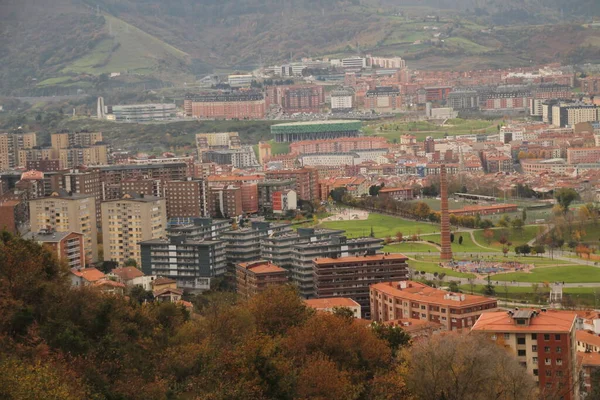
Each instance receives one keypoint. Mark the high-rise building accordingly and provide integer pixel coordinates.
(128, 221)
(198, 229)
(297, 98)
(11, 145)
(446, 250)
(383, 99)
(267, 189)
(352, 276)
(224, 201)
(256, 276)
(407, 299)
(65, 140)
(186, 198)
(544, 343)
(191, 263)
(307, 181)
(67, 212)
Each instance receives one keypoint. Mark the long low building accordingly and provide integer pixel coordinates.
(249, 105)
(409, 299)
(314, 130)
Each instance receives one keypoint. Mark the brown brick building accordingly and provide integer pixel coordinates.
(297, 98)
(224, 201)
(454, 311)
(307, 181)
(185, 198)
(254, 277)
(68, 246)
(352, 276)
(226, 106)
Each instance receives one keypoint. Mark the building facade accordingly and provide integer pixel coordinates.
(226, 106)
(68, 246)
(256, 276)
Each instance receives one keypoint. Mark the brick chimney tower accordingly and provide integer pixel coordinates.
(446, 252)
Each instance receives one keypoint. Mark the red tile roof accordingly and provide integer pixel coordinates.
(377, 257)
(426, 294)
(551, 321)
(332, 302)
(89, 274)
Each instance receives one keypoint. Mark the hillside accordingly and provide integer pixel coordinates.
(72, 43)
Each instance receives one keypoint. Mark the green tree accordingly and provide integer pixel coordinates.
(460, 239)
(489, 289)
(564, 197)
(395, 336)
(524, 214)
(130, 262)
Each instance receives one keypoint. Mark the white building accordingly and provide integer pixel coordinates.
(386, 62)
(240, 80)
(354, 62)
(342, 99)
(284, 201)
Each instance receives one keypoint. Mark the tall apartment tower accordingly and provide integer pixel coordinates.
(128, 221)
(446, 252)
(67, 212)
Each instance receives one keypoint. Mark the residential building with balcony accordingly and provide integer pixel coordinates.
(352, 276)
(544, 343)
(68, 246)
(256, 276)
(408, 299)
(191, 263)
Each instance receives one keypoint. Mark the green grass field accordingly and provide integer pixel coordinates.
(383, 225)
(434, 267)
(393, 130)
(569, 274)
(467, 246)
(516, 237)
(409, 247)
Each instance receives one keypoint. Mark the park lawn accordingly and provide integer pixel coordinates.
(434, 267)
(517, 238)
(467, 245)
(409, 247)
(568, 274)
(383, 226)
(537, 261)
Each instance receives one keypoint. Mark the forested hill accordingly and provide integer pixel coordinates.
(72, 43)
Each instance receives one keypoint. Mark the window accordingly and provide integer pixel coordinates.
(521, 340)
(546, 349)
(558, 349)
(546, 337)
(559, 361)
(507, 336)
(548, 361)
(534, 348)
(535, 372)
(521, 353)
(559, 373)
(534, 336)
(548, 373)
(556, 337)
(535, 360)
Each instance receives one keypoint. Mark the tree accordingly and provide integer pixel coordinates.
(488, 234)
(539, 249)
(505, 250)
(343, 312)
(465, 367)
(460, 240)
(524, 214)
(564, 197)
(130, 262)
(504, 221)
(139, 294)
(488, 289)
(517, 224)
(486, 223)
(372, 233)
(451, 237)
(395, 336)
(422, 210)
(453, 287)
(337, 194)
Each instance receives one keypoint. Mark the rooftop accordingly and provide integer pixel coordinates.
(332, 302)
(420, 292)
(46, 236)
(551, 321)
(587, 337)
(127, 273)
(261, 267)
(89, 274)
(377, 257)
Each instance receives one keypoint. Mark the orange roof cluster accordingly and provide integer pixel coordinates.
(127, 273)
(588, 359)
(377, 257)
(332, 302)
(551, 321)
(261, 267)
(426, 294)
(232, 178)
(587, 337)
(89, 274)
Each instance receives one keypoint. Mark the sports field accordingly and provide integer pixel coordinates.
(383, 226)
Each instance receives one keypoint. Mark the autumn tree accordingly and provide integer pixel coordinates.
(564, 197)
(278, 309)
(399, 236)
(456, 367)
(488, 235)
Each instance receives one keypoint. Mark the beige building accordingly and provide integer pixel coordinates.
(4, 158)
(71, 139)
(67, 213)
(76, 156)
(128, 221)
(10, 146)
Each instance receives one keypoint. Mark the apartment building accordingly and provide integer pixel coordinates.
(198, 228)
(342, 99)
(142, 112)
(564, 113)
(256, 276)
(583, 155)
(408, 299)
(244, 243)
(335, 246)
(224, 201)
(296, 98)
(352, 276)
(383, 99)
(267, 189)
(128, 221)
(306, 181)
(191, 263)
(14, 214)
(67, 212)
(249, 105)
(343, 145)
(68, 246)
(11, 145)
(186, 198)
(544, 343)
(43, 165)
(88, 156)
(65, 140)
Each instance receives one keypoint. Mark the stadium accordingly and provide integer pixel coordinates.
(312, 130)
